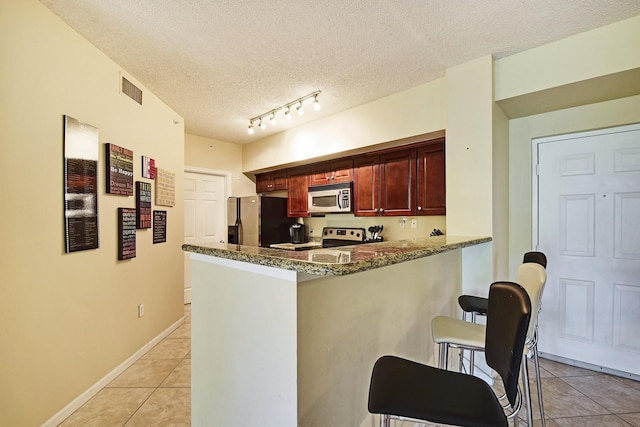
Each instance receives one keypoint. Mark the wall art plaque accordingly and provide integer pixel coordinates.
(148, 167)
(165, 188)
(80, 185)
(119, 169)
(143, 204)
(126, 233)
(159, 226)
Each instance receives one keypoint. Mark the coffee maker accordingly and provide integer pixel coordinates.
(297, 233)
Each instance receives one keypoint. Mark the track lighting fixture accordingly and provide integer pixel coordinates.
(271, 114)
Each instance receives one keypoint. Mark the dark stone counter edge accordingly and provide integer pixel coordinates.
(384, 258)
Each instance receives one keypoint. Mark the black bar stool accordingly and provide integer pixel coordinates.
(403, 389)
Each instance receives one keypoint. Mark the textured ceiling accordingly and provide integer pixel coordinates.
(220, 62)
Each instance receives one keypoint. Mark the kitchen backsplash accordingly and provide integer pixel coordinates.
(394, 227)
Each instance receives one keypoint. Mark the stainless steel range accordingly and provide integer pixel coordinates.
(335, 236)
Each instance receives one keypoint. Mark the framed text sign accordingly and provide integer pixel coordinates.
(165, 188)
(126, 233)
(80, 185)
(143, 205)
(159, 226)
(148, 167)
(119, 170)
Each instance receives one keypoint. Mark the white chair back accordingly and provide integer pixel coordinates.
(532, 277)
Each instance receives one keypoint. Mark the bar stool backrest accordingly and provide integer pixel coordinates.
(537, 257)
(532, 277)
(507, 323)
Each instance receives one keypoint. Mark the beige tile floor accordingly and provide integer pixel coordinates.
(579, 397)
(155, 391)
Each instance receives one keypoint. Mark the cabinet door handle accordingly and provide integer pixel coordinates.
(419, 208)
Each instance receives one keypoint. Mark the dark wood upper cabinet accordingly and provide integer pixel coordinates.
(332, 172)
(431, 185)
(366, 187)
(397, 183)
(384, 184)
(298, 199)
(272, 181)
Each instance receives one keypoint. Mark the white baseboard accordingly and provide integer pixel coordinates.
(94, 389)
(589, 366)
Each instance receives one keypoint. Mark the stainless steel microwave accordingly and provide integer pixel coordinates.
(331, 198)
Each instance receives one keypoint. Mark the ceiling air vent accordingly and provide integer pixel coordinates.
(131, 90)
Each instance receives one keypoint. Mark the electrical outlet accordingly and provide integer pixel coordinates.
(414, 223)
(140, 310)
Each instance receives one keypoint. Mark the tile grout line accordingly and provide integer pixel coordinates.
(161, 381)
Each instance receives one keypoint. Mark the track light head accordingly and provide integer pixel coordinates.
(271, 115)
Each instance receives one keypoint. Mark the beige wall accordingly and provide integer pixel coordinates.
(393, 229)
(212, 154)
(413, 112)
(592, 54)
(470, 148)
(67, 320)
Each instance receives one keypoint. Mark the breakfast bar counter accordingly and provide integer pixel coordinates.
(338, 261)
(288, 338)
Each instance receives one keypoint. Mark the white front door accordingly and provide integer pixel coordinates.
(204, 215)
(588, 223)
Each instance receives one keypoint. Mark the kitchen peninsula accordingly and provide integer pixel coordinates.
(288, 338)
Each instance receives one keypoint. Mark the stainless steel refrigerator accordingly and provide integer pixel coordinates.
(258, 220)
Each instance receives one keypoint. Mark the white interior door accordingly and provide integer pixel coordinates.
(204, 215)
(588, 223)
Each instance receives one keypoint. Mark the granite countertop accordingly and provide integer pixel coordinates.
(338, 261)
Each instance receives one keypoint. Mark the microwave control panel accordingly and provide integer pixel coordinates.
(344, 199)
